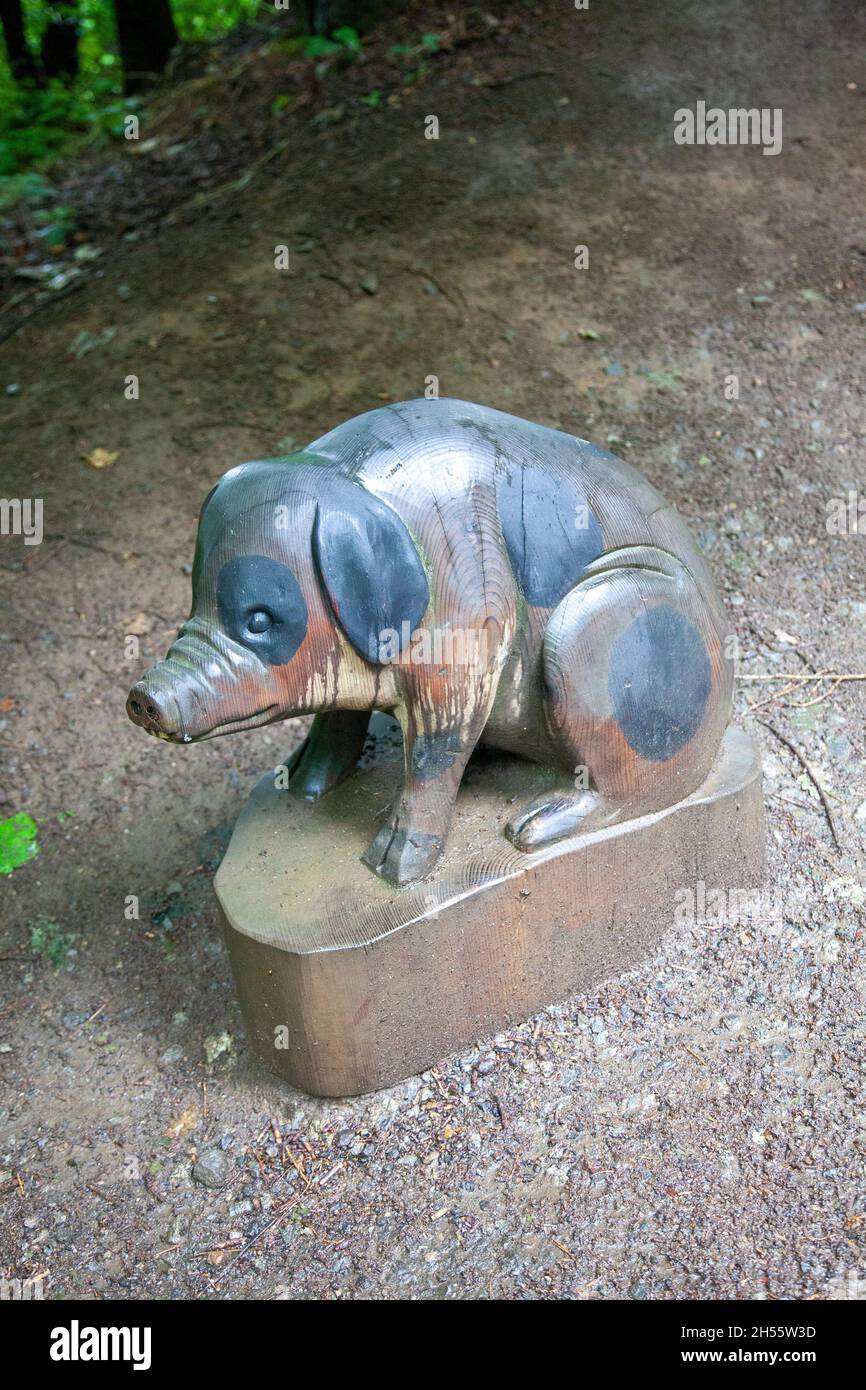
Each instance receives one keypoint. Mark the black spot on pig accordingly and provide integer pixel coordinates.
(550, 532)
(433, 754)
(659, 682)
(261, 607)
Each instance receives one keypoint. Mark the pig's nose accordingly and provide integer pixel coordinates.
(156, 711)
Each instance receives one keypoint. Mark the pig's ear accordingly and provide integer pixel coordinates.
(371, 571)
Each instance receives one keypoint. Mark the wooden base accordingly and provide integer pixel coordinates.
(347, 984)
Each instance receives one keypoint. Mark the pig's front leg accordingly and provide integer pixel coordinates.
(408, 845)
(329, 754)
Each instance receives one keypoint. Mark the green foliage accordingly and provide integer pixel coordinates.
(428, 43)
(282, 103)
(17, 842)
(57, 224)
(343, 40)
(197, 20)
(52, 942)
(420, 51)
(37, 124)
(33, 187)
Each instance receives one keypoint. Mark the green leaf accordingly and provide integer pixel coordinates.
(318, 47)
(52, 942)
(665, 379)
(348, 37)
(17, 842)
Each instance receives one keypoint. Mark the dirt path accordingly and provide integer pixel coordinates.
(693, 1129)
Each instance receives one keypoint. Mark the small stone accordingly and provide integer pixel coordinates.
(211, 1168)
(729, 1168)
(74, 1020)
(217, 1045)
(839, 748)
(369, 282)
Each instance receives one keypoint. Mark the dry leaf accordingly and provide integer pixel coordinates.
(185, 1122)
(99, 458)
(138, 626)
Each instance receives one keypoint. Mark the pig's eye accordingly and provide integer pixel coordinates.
(276, 625)
(259, 621)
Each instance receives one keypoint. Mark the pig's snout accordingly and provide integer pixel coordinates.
(157, 711)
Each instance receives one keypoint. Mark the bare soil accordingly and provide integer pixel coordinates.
(693, 1129)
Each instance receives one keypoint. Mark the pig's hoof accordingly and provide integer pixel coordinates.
(553, 818)
(402, 857)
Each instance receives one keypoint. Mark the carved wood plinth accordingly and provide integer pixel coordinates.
(348, 983)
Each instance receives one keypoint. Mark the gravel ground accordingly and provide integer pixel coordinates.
(693, 1129)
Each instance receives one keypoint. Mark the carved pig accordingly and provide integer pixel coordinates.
(483, 578)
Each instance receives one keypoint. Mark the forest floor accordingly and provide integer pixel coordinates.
(693, 1129)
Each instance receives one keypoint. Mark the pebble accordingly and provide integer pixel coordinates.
(211, 1168)
(839, 748)
(75, 1020)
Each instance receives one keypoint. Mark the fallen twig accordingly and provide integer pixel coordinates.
(807, 768)
(53, 298)
(797, 683)
(517, 77)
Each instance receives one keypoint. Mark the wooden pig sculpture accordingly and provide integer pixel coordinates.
(486, 580)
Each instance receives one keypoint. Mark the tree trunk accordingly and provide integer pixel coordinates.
(59, 49)
(21, 60)
(146, 35)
